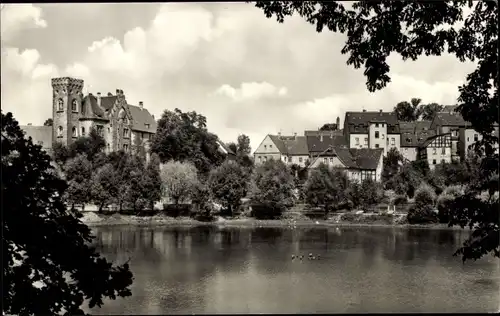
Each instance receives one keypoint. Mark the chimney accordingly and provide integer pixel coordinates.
(320, 137)
(381, 111)
(110, 94)
(364, 110)
(98, 98)
(141, 105)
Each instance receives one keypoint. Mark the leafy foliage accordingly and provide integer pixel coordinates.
(184, 137)
(48, 122)
(329, 127)
(53, 265)
(429, 111)
(408, 111)
(178, 180)
(326, 188)
(78, 174)
(272, 187)
(228, 185)
(392, 164)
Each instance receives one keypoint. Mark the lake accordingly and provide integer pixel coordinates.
(250, 270)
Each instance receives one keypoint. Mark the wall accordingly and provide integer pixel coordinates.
(330, 161)
(397, 142)
(409, 153)
(67, 90)
(378, 171)
(438, 156)
(381, 141)
(352, 141)
(266, 149)
(295, 159)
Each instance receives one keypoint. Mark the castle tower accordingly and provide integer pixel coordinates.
(66, 109)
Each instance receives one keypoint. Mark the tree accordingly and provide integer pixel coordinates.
(375, 29)
(429, 111)
(243, 148)
(178, 180)
(325, 188)
(89, 145)
(60, 153)
(273, 186)
(54, 266)
(78, 172)
(135, 180)
(228, 185)
(329, 127)
(184, 137)
(48, 122)
(104, 186)
(408, 111)
(138, 148)
(152, 181)
(392, 163)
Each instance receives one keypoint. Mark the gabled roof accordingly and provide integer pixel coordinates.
(295, 145)
(449, 108)
(432, 138)
(415, 126)
(279, 144)
(318, 144)
(225, 148)
(40, 135)
(358, 122)
(415, 139)
(141, 117)
(363, 159)
(454, 119)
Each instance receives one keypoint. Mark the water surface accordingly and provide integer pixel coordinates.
(362, 269)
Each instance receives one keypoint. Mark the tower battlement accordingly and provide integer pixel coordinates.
(70, 83)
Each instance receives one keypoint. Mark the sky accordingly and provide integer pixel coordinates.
(246, 73)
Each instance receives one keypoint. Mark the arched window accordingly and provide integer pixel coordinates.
(59, 131)
(73, 131)
(74, 105)
(60, 105)
(83, 131)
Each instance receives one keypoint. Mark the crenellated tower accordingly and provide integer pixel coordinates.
(66, 108)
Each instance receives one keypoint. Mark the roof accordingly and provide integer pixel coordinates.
(415, 139)
(225, 148)
(449, 108)
(295, 145)
(317, 133)
(141, 117)
(431, 138)
(279, 144)
(90, 108)
(364, 158)
(39, 134)
(358, 122)
(449, 119)
(318, 144)
(415, 126)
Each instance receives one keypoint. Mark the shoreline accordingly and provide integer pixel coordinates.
(164, 221)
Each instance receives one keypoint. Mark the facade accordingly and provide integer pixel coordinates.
(122, 125)
(436, 149)
(268, 149)
(375, 130)
(450, 122)
(413, 135)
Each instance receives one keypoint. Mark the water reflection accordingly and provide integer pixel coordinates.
(228, 270)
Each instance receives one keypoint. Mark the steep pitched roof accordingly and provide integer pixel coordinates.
(107, 102)
(339, 132)
(225, 148)
(279, 143)
(358, 122)
(449, 119)
(414, 126)
(449, 108)
(295, 145)
(40, 135)
(91, 110)
(430, 139)
(415, 139)
(141, 117)
(363, 159)
(318, 144)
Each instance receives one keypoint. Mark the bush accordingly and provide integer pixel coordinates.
(176, 210)
(400, 199)
(445, 200)
(263, 211)
(425, 196)
(422, 215)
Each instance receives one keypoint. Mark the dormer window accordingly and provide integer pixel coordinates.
(147, 125)
(60, 105)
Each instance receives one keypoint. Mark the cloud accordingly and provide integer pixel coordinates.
(16, 17)
(250, 91)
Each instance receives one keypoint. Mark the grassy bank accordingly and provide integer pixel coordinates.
(95, 220)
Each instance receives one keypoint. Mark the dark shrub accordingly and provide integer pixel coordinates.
(176, 210)
(400, 200)
(422, 215)
(263, 211)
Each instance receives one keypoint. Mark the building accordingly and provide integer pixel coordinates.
(224, 149)
(289, 149)
(413, 135)
(268, 149)
(372, 130)
(436, 149)
(40, 135)
(122, 125)
(451, 122)
(359, 164)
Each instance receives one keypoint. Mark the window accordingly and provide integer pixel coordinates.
(265, 158)
(265, 146)
(289, 159)
(260, 159)
(331, 160)
(408, 140)
(387, 140)
(383, 124)
(357, 140)
(73, 132)
(125, 132)
(60, 131)
(433, 161)
(60, 105)
(443, 151)
(376, 124)
(270, 146)
(366, 141)
(393, 141)
(376, 134)
(125, 147)
(434, 151)
(468, 139)
(376, 146)
(476, 137)
(147, 125)
(83, 131)
(73, 106)
(300, 159)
